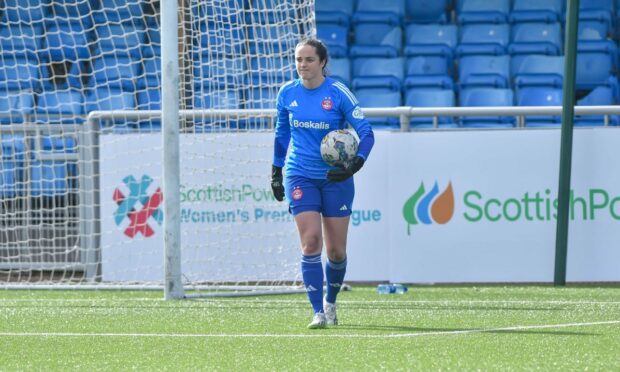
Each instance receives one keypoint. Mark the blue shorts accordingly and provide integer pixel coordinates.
(331, 199)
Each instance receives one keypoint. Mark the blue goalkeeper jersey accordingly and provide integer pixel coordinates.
(305, 116)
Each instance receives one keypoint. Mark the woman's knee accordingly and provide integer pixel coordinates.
(311, 244)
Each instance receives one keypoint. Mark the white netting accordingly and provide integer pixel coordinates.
(80, 200)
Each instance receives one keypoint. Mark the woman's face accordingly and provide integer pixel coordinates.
(309, 66)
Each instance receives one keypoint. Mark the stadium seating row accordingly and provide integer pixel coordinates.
(46, 178)
(346, 12)
(69, 106)
(383, 40)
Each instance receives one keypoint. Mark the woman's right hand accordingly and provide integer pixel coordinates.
(277, 185)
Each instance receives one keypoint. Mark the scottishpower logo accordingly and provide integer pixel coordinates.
(429, 207)
(529, 206)
(138, 206)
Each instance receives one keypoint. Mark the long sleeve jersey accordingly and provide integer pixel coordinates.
(305, 116)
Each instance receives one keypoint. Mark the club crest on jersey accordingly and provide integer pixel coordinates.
(327, 103)
(297, 194)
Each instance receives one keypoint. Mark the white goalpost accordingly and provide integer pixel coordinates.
(137, 143)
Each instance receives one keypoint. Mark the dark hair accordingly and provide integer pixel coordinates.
(321, 50)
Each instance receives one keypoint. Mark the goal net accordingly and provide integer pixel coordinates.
(81, 168)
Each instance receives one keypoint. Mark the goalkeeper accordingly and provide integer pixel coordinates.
(320, 197)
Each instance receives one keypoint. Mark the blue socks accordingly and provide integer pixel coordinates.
(312, 273)
(334, 272)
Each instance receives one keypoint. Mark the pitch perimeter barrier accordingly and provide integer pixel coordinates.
(404, 113)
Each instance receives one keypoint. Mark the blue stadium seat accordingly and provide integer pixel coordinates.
(426, 11)
(232, 70)
(63, 75)
(430, 98)
(118, 71)
(385, 73)
(117, 11)
(150, 75)
(486, 97)
(80, 11)
(60, 107)
(11, 165)
(484, 71)
(66, 41)
(51, 178)
(152, 47)
(490, 39)
(376, 40)
(596, 62)
(228, 99)
(219, 42)
(427, 65)
(549, 11)
(428, 72)
(340, 69)
(120, 39)
(539, 71)
(429, 82)
(225, 11)
(597, 14)
(29, 12)
(587, 32)
(107, 99)
(482, 11)
(15, 106)
(269, 11)
(599, 96)
(22, 40)
(391, 12)
(149, 98)
(19, 72)
(540, 96)
(380, 98)
(335, 38)
(333, 12)
(534, 38)
(263, 70)
(431, 40)
(268, 38)
(258, 98)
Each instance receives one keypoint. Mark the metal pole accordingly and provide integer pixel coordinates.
(173, 287)
(566, 142)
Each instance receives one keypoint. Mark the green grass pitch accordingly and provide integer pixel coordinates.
(429, 328)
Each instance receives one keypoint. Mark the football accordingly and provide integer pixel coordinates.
(338, 147)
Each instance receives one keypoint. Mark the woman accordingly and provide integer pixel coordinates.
(320, 197)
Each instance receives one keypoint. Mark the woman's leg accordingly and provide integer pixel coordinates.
(309, 227)
(335, 230)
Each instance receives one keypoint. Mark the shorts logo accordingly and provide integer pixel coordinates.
(297, 194)
(327, 103)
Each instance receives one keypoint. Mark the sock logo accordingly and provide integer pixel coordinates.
(310, 288)
(429, 207)
(335, 285)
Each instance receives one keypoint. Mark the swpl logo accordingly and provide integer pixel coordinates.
(138, 206)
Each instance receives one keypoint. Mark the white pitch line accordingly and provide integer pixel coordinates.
(315, 335)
